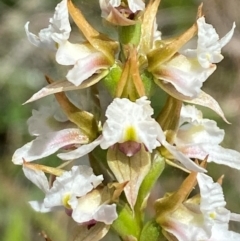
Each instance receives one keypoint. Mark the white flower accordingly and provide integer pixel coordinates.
(69, 190)
(58, 30)
(85, 59)
(207, 220)
(130, 123)
(186, 75)
(187, 71)
(209, 45)
(47, 144)
(200, 138)
(127, 121)
(53, 131)
(47, 119)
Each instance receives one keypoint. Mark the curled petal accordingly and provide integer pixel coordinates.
(209, 46)
(44, 39)
(117, 14)
(86, 67)
(58, 30)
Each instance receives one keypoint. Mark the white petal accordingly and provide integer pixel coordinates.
(80, 151)
(206, 100)
(39, 207)
(186, 75)
(214, 153)
(222, 155)
(60, 23)
(228, 36)
(186, 227)
(86, 67)
(37, 177)
(48, 144)
(235, 217)
(106, 214)
(220, 234)
(114, 3)
(136, 5)
(209, 45)
(44, 120)
(130, 121)
(87, 206)
(204, 132)
(72, 184)
(179, 156)
(189, 113)
(211, 193)
(69, 54)
(60, 86)
(58, 31)
(44, 42)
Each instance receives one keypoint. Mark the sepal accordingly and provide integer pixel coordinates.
(99, 41)
(129, 169)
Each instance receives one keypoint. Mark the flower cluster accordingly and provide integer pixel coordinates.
(102, 111)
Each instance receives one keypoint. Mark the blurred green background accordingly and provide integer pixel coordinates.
(22, 69)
